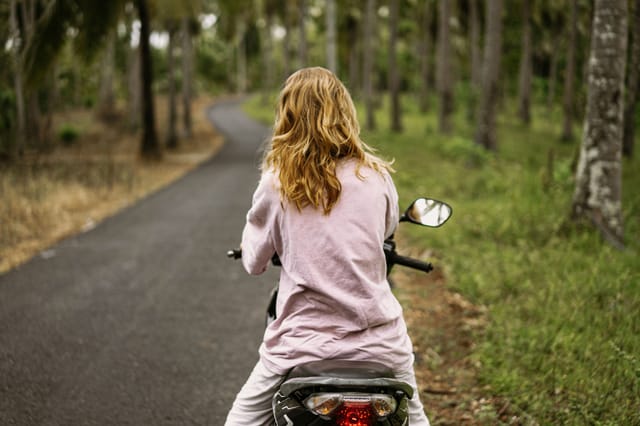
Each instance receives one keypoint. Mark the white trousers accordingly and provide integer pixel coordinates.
(253, 403)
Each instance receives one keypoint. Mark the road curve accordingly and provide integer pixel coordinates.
(142, 320)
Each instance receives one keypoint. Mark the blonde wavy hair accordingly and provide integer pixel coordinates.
(316, 126)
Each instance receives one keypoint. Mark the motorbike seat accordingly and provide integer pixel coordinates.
(345, 375)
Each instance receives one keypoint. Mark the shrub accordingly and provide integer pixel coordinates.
(68, 134)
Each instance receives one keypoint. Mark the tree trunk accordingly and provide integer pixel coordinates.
(353, 30)
(286, 42)
(598, 193)
(444, 80)
(476, 52)
(267, 58)
(241, 56)
(134, 97)
(106, 95)
(424, 51)
(34, 135)
(187, 77)
(486, 120)
(394, 77)
(526, 64)
(302, 28)
(633, 79)
(569, 77)
(18, 147)
(368, 68)
(476, 59)
(332, 62)
(172, 138)
(552, 79)
(150, 149)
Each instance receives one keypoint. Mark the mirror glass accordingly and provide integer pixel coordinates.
(428, 212)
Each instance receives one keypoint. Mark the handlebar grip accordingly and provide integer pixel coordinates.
(235, 253)
(412, 263)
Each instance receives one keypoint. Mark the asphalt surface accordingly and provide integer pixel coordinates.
(143, 320)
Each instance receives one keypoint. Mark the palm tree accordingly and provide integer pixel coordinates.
(569, 76)
(394, 78)
(597, 196)
(18, 83)
(150, 148)
(368, 68)
(332, 62)
(187, 75)
(526, 65)
(424, 53)
(443, 76)
(486, 126)
(633, 82)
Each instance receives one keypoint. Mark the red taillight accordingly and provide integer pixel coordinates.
(355, 414)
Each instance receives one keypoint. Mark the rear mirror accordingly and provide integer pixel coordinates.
(427, 212)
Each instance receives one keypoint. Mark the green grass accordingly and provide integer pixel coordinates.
(563, 343)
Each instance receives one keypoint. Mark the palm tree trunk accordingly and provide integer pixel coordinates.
(172, 138)
(486, 120)
(33, 117)
(18, 84)
(369, 26)
(444, 81)
(332, 62)
(267, 57)
(569, 79)
(150, 149)
(476, 52)
(394, 77)
(302, 30)
(134, 89)
(353, 31)
(241, 56)
(106, 96)
(598, 193)
(524, 81)
(633, 80)
(424, 53)
(286, 42)
(476, 59)
(187, 77)
(552, 79)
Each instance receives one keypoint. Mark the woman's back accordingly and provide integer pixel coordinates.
(334, 300)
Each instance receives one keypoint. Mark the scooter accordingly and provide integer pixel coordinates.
(351, 393)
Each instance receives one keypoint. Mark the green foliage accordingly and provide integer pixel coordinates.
(68, 134)
(564, 334)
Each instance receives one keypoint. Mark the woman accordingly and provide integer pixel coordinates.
(325, 205)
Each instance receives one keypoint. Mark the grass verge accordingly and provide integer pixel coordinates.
(49, 196)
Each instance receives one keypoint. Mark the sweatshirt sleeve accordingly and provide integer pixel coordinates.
(393, 212)
(257, 237)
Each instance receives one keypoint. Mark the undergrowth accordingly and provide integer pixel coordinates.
(563, 343)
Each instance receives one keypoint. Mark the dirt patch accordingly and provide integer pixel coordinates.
(442, 325)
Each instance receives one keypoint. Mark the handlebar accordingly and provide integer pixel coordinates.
(397, 259)
(237, 254)
(391, 256)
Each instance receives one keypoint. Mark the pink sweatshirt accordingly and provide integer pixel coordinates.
(334, 301)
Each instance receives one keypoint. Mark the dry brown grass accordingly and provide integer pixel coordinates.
(47, 197)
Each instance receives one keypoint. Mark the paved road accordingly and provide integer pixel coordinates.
(143, 320)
